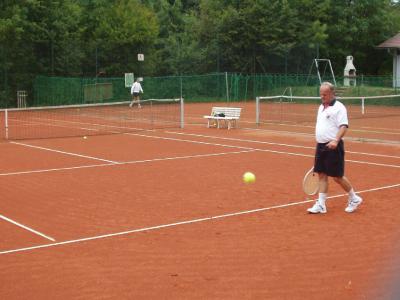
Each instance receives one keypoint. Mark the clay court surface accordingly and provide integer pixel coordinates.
(164, 214)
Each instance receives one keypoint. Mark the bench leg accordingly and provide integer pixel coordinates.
(234, 123)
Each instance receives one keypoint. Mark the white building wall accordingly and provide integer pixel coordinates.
(396, 69)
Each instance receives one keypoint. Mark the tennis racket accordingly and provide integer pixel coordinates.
(311, 182)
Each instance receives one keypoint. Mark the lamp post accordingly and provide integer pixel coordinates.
(140, 58)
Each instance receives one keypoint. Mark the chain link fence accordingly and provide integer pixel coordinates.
(216, 87)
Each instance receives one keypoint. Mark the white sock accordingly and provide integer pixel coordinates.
(322, 198)
(352, 194)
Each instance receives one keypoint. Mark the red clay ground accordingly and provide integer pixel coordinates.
(129, 182)
(379, 123)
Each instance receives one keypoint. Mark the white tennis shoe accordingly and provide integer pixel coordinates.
(318, 208)
(353, 203)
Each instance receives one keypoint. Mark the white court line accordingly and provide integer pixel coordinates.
(184, 222)
(54, 170)
(246, 149)
(64, 152)
(188, 141)
(261, 150)
(274, 144)
(354, 139)
(126, 163)
(388, 131)
(383, 128)
(372, 163)
(27, 228)
(375, 131)
(222, 145)
(348, 137)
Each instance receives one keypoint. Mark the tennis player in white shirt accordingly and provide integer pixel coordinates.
(136, 89)
(332, 124)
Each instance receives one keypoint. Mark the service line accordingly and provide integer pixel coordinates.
(211, 218)
(26, 228)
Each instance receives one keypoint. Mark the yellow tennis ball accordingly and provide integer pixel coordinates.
(249, 177)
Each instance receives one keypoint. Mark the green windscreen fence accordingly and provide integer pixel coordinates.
(222, 87)
(49, 91)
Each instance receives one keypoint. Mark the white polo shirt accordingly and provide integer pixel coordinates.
(136, 88)
(329, 120)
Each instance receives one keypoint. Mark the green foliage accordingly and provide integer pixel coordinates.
(263, 36)
(97, 37)
(356, 28)
(116, 32)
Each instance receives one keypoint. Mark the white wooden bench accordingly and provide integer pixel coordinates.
(228, 115)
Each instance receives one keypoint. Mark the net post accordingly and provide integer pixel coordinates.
(181, 86)
(6, 122)
(182, 113)
(227, 87)
(151, 114)
(257, 110)
(362, 105)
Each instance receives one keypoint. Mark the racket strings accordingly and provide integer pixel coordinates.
(311, 183)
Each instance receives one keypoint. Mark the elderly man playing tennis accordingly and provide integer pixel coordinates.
(332, 124)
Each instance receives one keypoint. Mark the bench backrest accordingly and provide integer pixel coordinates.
(231, 112)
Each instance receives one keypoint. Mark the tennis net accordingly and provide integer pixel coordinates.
(90, 119)
(372, 114)
(297, 109)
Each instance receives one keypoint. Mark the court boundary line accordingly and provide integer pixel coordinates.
(264, 150)
(245, 149)
(272, 143)
(355, 139)
(200, 142)
(384, 130)
(126, 163)
(221, 145)
(162, 226)
(63, 152)
(26, 228)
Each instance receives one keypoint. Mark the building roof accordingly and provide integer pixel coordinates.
(393, 42)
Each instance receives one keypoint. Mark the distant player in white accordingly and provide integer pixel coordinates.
(332, 124)
(136, 89)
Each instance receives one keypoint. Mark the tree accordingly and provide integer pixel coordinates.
(39, 37)
(356, 28)
(83, 37)
(117, 32)
(251, 33)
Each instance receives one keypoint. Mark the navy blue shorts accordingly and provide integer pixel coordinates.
(328, 161)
